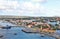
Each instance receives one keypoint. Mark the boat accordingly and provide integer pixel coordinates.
(9, 27)
(1, 36)
(42, 35)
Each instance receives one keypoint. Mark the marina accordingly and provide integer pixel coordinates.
(16, 33)
(29, 19)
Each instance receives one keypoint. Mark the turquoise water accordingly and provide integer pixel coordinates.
(9, 34)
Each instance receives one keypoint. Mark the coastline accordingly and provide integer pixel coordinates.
(32, 30)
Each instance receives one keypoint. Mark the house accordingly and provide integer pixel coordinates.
(58, 21)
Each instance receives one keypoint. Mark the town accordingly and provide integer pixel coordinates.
(48, 23)
(43, 25)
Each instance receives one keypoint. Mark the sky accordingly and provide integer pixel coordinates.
(30, 7)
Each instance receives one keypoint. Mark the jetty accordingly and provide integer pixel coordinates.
(30, 30)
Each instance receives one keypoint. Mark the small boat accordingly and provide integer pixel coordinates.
(15, 33)
(6, 27)
(42, 35)
(9, 27)
(1, 36)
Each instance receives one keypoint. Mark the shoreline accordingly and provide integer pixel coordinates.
(30, 30)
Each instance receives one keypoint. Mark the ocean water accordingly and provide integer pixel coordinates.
(9, 34)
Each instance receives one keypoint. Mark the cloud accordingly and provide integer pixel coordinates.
(38, 1)
(23, 8)
(5, 4)
(50, 11)
(29, 8)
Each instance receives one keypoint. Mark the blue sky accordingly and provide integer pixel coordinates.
(30, 7)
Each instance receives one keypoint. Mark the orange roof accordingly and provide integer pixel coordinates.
(57, 18)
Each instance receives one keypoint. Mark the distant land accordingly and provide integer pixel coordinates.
(11, 16)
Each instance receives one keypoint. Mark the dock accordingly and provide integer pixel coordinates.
(30, 30)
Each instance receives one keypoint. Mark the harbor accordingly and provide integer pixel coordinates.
(16, 33)
(29, 19)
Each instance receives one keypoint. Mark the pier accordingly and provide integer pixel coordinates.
(30, 30)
